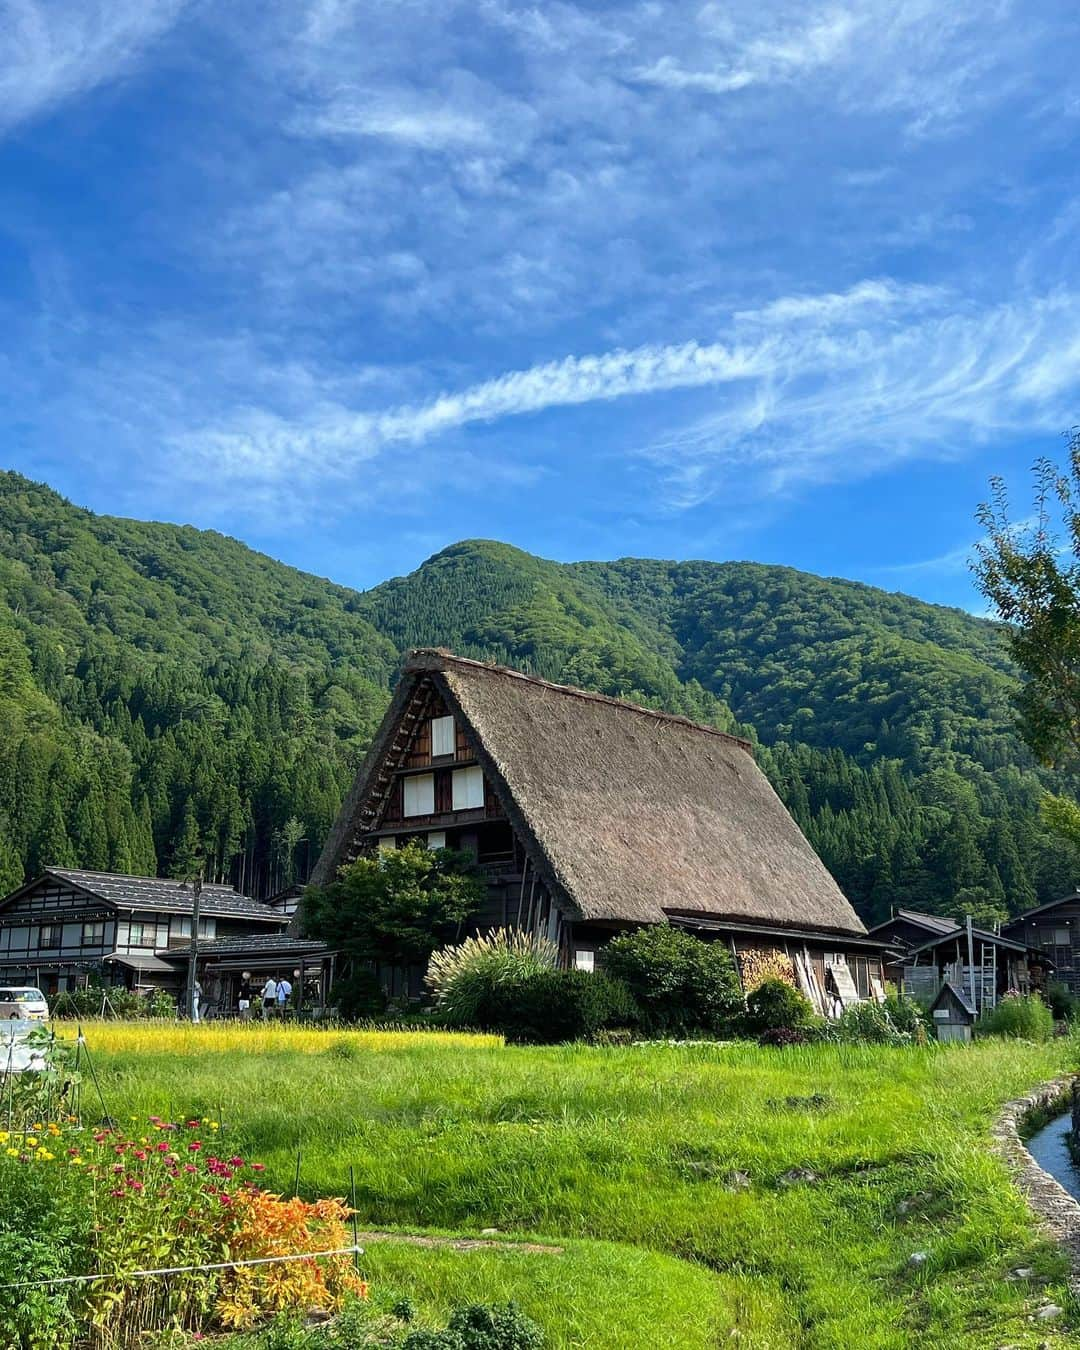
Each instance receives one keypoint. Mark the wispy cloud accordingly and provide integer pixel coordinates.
(783, 55)
(794, 401)
(52, 50)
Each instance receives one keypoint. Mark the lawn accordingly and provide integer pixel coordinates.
(702, 1194)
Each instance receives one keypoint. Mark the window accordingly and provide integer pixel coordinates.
(388, 844)
(1061, 937)
(141, 934)
(468, 788)
(584, 960)
(442, 736)
(93, 934)
(207, 927)
(437, 839)
(51, 936)
(419, 795)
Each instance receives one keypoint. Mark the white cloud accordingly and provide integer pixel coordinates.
(425, 127)
(783, 55)
(53, 50)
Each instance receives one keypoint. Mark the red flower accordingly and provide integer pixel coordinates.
(236, 1162)
(119, 1193)
(140, 1153)
(194, 1146)
(258, 1167)
(189, 1167)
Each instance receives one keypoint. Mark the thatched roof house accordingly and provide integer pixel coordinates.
(590, 813)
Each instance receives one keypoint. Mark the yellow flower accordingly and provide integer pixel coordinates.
(76, 1162)
(45, 1155)
(31, 1142)
(214, 1125)
(54, 1129)
(4, 1136)
(12, 1152)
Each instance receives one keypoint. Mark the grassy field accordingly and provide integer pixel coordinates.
(853, 1159)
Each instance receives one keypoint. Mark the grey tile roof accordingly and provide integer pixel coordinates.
(160, 893)
(255, 944)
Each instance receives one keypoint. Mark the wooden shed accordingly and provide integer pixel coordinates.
(953, 1014)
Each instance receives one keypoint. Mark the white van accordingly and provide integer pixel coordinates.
(25, 1004)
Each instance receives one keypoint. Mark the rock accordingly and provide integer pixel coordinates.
(1021, 1273)
(797, 1175)
(1049, 1312)
(737, 1181)
(488, 1232)
(918, 1259)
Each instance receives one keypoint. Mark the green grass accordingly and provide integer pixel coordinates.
(624, 1156)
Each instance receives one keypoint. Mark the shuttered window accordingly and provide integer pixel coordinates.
(420, 795)
(442, 736)
(468, 788)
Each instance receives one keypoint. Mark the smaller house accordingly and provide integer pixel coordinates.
(224, 962)
(905, 930)
(1053, 929)
(953, 1014)
(68, 925)
(984, 965)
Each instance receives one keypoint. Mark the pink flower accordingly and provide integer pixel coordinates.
(258, 1167)
(190, 1167)
(140, 1153)
(236, 1162)
(118, 1167)
(194, 1146)
(119, 1193)
(163, 1147)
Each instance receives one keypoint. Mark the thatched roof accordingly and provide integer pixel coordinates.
(628, 813)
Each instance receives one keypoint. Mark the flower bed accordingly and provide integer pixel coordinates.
(109, 1203)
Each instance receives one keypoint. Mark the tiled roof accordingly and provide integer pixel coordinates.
(160, 893)
(255, 944)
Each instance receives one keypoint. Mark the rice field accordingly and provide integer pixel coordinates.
(701, 1194)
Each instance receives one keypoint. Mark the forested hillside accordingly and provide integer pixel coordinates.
(167, 694)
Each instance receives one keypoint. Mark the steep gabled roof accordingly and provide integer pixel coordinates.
(157, 893)
(627, 812)
(960, 935)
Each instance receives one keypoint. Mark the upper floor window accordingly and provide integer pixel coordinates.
(468, 788)
(93, 934)
(141, 934)
(443, 741)
(418, 797)
(52, 935)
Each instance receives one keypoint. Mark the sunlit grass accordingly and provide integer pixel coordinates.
(641, 1147)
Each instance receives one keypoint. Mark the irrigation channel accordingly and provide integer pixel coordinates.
(1050, 1149)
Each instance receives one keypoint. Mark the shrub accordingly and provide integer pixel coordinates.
(679, 983)
(906, 1015)
(1026, 1019)
(870, 1024)
(480, 1327)
(566, 1005)
(358, 995)
(1060, 1001)
(478, 982)
(781, 1036)
(775, 1004)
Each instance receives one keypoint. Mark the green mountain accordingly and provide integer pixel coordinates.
(167, 695)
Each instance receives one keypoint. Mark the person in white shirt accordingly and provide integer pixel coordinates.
(269, 996)
(284, 991)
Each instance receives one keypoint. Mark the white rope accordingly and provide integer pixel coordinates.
(179, 1270)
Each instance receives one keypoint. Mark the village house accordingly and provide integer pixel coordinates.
(589, 816)
(932, 950)
(1054, 930)
(67, 928)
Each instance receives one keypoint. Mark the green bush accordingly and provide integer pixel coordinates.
(1060, 1001)
(680, 984)
(1025, 1019)
(906, 1015)
(774, 1004)
(479, 1327)
(358, 995)
(869, 1024)
(477, 983)
(566, 1005)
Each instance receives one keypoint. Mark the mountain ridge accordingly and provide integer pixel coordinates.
(169, 693)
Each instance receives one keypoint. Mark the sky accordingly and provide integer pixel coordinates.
(352, 281)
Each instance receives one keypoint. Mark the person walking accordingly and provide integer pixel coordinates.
(245, 996)
(284, 993)
(269, 996)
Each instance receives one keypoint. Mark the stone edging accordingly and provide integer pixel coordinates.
(1057, 1210)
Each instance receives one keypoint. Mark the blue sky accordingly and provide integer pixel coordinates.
(352, 281)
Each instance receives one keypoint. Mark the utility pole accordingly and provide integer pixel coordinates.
(196, 879)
